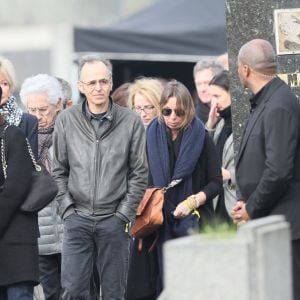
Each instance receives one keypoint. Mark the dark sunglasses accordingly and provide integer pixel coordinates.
(167, 112)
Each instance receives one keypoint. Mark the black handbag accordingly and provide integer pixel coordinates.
(43, 187)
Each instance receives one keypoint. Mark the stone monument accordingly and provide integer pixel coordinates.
(254, 265)
(277, 21)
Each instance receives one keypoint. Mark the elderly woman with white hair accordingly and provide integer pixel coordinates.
(42, 96)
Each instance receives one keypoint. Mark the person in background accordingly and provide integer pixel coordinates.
(18, 230)
(178, 148)
(219, 126)
(100, 166)
(42, 97)
(144, 97)
(120, 94)
(223, 60)
(12, 114)
(66, 92)
(268, 162)
(204, 71)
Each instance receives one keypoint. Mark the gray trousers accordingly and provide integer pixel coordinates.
(88, 241)
(49, 268)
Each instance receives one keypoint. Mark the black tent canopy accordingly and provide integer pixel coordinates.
(170, 27)
(163, 40)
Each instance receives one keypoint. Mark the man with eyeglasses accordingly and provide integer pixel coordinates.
(101, 169)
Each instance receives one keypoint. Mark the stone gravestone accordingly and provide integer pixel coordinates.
(277, 21)
(255, 265)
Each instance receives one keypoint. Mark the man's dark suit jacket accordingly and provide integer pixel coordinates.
(268, 162)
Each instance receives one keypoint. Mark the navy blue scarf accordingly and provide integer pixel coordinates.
(189, 154)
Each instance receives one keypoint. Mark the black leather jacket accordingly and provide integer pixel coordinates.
(100, 175)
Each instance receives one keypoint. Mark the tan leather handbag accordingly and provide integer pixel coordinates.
(149, 214)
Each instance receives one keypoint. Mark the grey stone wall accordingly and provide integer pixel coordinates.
(247, 20)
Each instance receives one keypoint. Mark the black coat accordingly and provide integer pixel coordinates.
(29, 126)
(268, 163)
(207, 177)
(18, 231)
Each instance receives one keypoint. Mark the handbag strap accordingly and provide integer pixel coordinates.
(35, 164)
(171, 184)
(3, 159)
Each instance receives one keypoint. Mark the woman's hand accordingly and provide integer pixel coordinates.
(226, 174)
(182, 210)
(185, 207)
(214, 116)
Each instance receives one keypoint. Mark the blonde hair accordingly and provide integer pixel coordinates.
(8, 71)
(150, 88)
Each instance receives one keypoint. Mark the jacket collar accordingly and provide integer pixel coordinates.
(262, 95)
(109, 115)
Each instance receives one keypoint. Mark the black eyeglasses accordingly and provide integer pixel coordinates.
(167, 112)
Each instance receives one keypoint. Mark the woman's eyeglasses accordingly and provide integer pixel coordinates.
(41, 110)
(168, 111)
(146, 109)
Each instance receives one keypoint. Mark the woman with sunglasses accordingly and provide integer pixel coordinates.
(179, 149)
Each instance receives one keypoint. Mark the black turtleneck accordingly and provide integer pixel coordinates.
(257, 98)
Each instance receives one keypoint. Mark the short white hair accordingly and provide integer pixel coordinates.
(41, 84)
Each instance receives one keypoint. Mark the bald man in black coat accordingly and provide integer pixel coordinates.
(268, 162)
